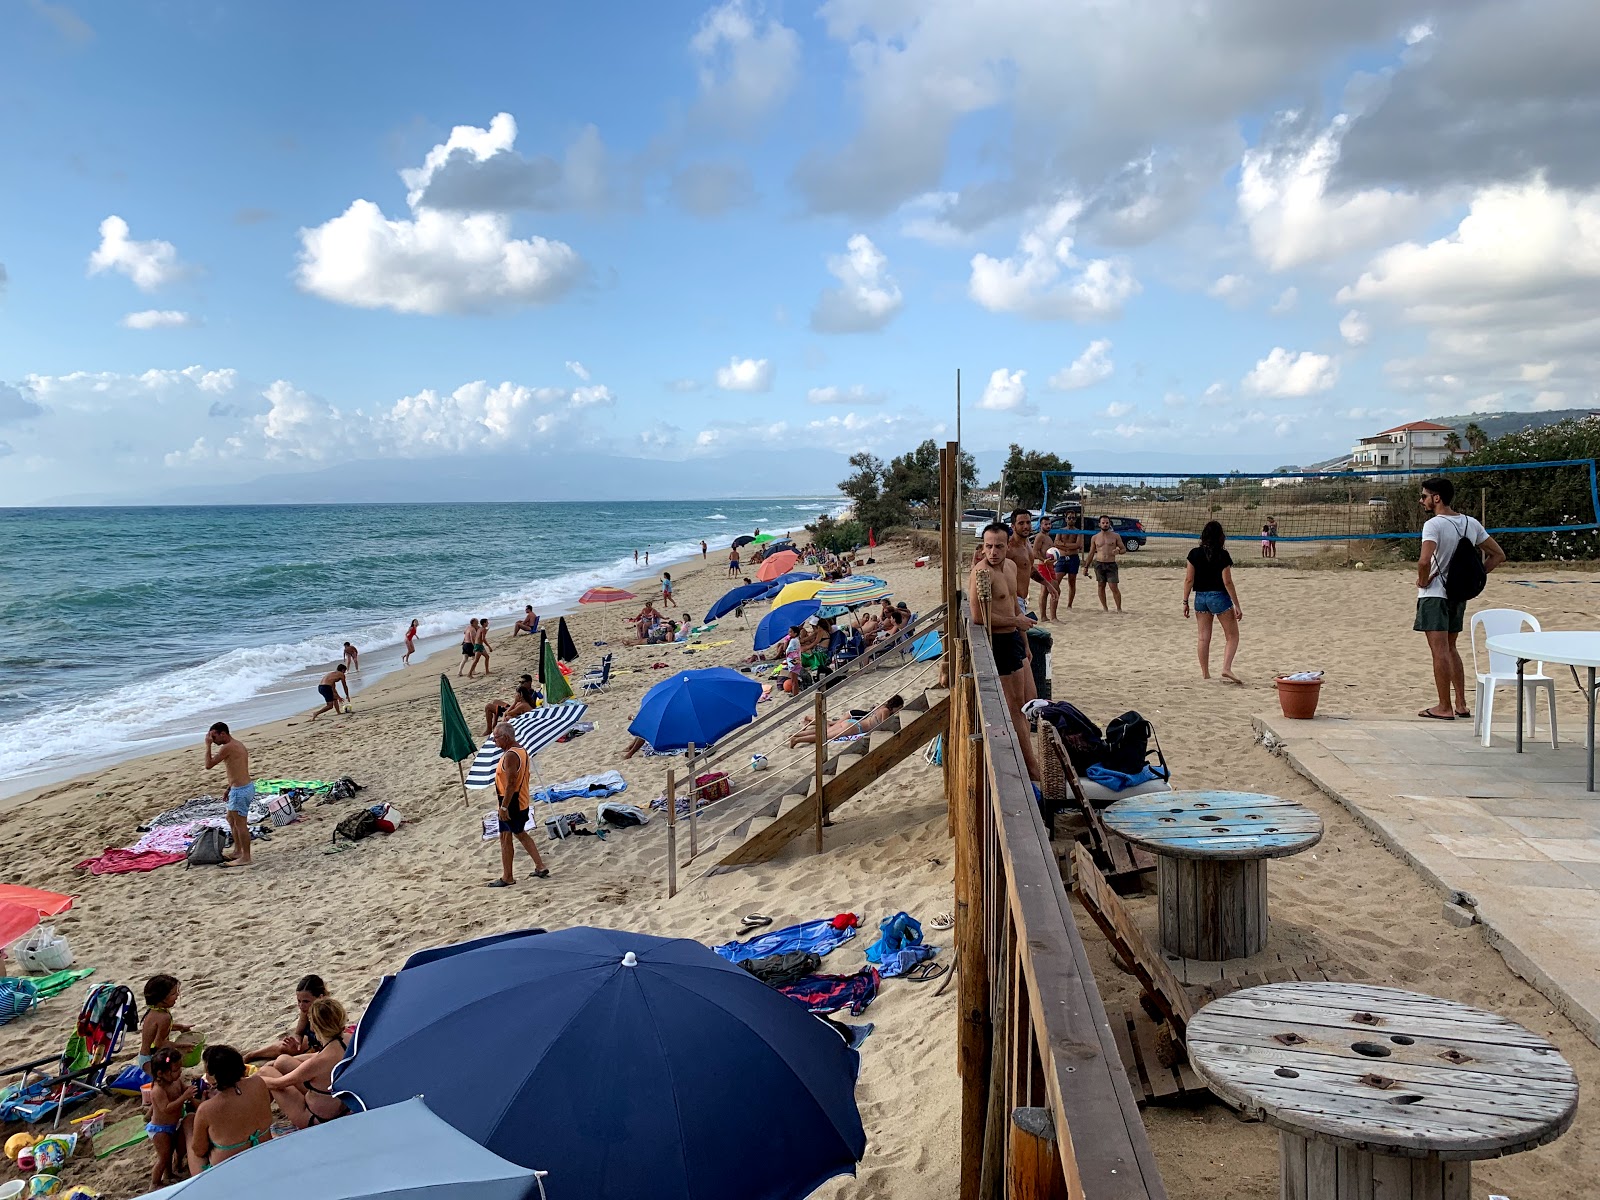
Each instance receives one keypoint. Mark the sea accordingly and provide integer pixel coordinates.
(124, 631)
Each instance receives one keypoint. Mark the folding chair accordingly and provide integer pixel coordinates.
(597, 679)
(50, 1085)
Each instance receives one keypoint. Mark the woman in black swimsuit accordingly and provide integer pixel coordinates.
(304, 1095)
(303, 1040)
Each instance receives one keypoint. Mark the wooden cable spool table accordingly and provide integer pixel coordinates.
(1377, 1093)
(1211, 853)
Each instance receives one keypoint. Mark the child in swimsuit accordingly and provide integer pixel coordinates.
(160, 994)
(171, 1116)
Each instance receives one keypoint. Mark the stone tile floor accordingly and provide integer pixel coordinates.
(1517, 835)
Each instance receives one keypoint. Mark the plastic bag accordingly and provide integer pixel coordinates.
(43, 951)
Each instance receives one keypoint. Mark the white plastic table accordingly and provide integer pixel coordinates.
(1569, 647)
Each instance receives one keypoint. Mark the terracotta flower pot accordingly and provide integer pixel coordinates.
(1298, 697)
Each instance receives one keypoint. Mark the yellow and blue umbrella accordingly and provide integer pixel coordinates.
(801, 589)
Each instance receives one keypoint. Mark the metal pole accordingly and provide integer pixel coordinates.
(1591, 726)
(694, 799)
(672, 833)
(821, 730)
(1521, 663)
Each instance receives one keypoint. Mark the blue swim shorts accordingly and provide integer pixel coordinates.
(239, 798)
(1215, 603)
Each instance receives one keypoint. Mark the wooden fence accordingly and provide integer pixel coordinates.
(1046, 1110)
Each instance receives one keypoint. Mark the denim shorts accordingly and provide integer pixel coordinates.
(239, 798)
(1215, 603)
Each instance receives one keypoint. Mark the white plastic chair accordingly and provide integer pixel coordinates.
(1502, 671)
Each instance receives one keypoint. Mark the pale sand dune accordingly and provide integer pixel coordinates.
(239, 942)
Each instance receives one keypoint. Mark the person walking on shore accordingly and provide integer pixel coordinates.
(1105, 548)
(1210, 578)
(703, 549)
(225, 750)
(411, 643)
(511, 789)
(1445, 534)
(636, 558)
(666, 590)
(469, 645)
(481, 650)
(328, 688)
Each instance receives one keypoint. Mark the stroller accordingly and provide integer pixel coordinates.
(50, 1085)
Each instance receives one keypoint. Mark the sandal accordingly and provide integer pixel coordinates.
(925, 971)
(1433, 716)
(497, 883)
(943, 921)
(754, 921)
(544, 874)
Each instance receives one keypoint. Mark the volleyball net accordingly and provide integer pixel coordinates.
(1327, 506)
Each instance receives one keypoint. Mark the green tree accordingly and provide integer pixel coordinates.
(913, 477)
(1023, 476)
(875, 506)
(1203, 483)
(1452, 442)
(1477, 439)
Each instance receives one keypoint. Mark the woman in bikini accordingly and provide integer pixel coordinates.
(304, 1093)
(303, 1039)
(236, 1114)
(848, 726)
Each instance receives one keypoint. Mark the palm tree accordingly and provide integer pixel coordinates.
(1477, 439)
(1452, 442)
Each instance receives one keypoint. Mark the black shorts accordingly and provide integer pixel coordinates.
(516, 822)
(468, 649)
(1009, 651)
(325, 690)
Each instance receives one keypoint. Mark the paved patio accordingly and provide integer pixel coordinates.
(1517, 838)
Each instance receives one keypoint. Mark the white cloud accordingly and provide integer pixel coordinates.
(1117, 409)
(578, 369)
(1293, 220)
(480, 170)
(17, 404)
(435, 263)
(158, 318)
(1007, 391)
(747, 63)
(1044, 279)
(746, 375)
(1229, 288)
(867, 297)
(1285, 374)
(855, 394)
(846, 433)
(1354, 328)
(150, 265)
(1287, 299)
(1088, 369)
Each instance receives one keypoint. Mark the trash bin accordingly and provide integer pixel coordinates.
(1039, 644)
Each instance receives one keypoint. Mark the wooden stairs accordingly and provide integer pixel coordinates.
(771, 816)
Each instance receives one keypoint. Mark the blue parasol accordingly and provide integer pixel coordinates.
(774, 627)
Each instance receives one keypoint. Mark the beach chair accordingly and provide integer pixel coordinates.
(1502, 672)
(598, 679)
(48, 1086)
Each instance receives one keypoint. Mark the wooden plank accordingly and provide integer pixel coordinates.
(972, 975)
(1033, 1171)
(1120, 1022)
(1322, 1169)
(1105, 907)
(1292, 1167)
(1162, 1081)
(1355, 1174)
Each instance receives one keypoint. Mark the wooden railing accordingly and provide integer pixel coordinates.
(1046, 1109)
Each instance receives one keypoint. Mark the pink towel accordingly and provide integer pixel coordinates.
(120, 861)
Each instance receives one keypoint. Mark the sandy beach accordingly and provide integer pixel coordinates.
(239, 940)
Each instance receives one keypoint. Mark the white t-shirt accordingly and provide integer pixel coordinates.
(1446, 533)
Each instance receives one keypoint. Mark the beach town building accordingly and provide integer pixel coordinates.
(1415, 446)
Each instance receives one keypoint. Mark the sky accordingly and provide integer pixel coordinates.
(243, 242)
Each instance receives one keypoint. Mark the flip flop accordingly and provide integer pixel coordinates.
(497, 883)
(544, 874)
(943, 921)
(1433, 716)
(754, 921)
(925, 971)
(1463, 715)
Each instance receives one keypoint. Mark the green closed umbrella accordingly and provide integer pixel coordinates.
(458, 744)
(556, 687)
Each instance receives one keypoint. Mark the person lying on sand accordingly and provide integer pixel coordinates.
(302, 1087)
(848, 726)
(302, 1039)
(236, 1114)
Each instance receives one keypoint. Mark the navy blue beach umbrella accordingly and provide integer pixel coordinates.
(775, 625)
(625, 1065)
(695, 706)
(735, 597)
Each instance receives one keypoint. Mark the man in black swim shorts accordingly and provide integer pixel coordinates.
(328, 689)
(994, 571)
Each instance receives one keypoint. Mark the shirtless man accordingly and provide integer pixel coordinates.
(1008, 628)
(527, 623)
(1070, 542)
(469, 645)
(1019, 549)
(483, 648)
(223, 749)
(1051, 604)
(352, 657)
(328, 688)
(1104, 550)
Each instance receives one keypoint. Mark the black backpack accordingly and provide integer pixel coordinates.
(1128, 739)
(1464, 576)
(1080, 736)
(359, 824)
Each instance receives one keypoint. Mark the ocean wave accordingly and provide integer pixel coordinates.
(717, 517)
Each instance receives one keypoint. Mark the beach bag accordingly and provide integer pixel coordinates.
(1084, 743)
(207, 847)
(1128, 739)
(359, 824)
(43, 951)
(1464, 576)
(711, 787)
(389, 819)
(622, 816)
(282, 811)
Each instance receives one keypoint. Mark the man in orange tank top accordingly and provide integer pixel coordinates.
(511, 778)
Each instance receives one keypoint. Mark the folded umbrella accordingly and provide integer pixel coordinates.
(533, 731)
(744, 540)
(697, 707)
(651, 1067)
(774, 627)
(400, 1152)
(566, 648)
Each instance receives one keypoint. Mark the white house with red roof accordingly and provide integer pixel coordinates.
(1413, 447)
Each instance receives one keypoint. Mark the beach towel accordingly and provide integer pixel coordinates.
(606, 783)
(820, 937)
(776, 970)
(57, 982)
(1119, 781)
(830, 993)
(899, 946)
(118, 860)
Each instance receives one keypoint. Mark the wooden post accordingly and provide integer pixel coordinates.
(972, 973)
(1034, 1171)
(466, 800)
(672, 833)
(821, 727)
(694, 800)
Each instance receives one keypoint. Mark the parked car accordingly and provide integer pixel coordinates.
(1131, 529)
(1377, 502)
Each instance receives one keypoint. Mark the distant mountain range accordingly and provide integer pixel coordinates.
(1500, 424)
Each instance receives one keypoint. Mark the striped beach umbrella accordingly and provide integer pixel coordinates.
(802, 589)
(533, 730)
(851, 591)
(604, 595)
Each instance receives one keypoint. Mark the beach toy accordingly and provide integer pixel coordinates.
(758, 762)
(46, 1185)
(192, 1050)
(17, 1143)
(51, 1152)
(91, 1123)
(80, 1193)
(144, 1093)
(13, 1189)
